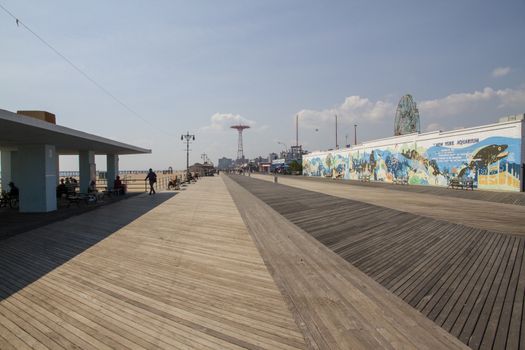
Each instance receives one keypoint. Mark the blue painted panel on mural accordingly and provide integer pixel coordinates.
(492, 163)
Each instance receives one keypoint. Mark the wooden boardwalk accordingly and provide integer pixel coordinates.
(498, 217)
(336, 305)
(151, 272)
(514, 198)
(469, 281)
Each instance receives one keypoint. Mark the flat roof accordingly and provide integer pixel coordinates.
(20, 130)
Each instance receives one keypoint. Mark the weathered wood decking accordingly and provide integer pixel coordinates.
(151, 272)
(514, 198)
(338, 306)
(182, 272)
(482, 214)
(469, 281)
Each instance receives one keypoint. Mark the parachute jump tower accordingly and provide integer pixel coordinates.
(240, 128)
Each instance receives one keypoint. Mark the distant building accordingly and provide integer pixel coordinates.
(205, 169)
(260, 159)
(272, 156)
(264, 167)
(294, 153)
(225, 163)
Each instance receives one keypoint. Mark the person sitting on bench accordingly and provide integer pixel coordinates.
(118, 187)
(61, 189)
(13, 190)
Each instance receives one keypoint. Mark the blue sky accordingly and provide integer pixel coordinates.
(200, 66)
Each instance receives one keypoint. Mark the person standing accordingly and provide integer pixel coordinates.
(152, 177)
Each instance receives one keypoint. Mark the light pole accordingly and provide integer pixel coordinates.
(188, 138)
(355, 134)
(297, 130)
(336, 143)
(285, 149)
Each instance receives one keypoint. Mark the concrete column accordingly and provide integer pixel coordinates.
(6, 168)
(87, 169)
(35, 177)
(15, 166)
(112, 169)
(58, 169)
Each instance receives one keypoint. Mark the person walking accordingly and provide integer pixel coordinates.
(152, 177)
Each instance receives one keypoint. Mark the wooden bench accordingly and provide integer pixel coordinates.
(364, 178)
(400, 181)
(7, 201)
(460, 184)
(79, 198)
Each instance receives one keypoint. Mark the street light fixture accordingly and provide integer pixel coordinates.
(188, 137)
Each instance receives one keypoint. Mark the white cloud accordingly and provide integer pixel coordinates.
(500, 72)
(222, 121)
(433, 127)
(443, 112)
(354, 109)
(456, 104)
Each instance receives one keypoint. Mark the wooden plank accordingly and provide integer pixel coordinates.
(514, 198)
(462, 277)
(461, 210)
(154, 272)
(504, 331)
(329, 294)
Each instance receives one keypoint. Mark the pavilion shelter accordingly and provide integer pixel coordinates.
(30, 145)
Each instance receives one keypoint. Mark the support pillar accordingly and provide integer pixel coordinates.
(6, 168)
(58, 169)
(35, 177)
(87, 169)
(112, 169)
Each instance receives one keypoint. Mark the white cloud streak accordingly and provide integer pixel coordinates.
(456, 104)
(222, 121)
(356, 109)
(500, 72)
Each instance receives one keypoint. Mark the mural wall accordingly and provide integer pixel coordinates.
(490, 157)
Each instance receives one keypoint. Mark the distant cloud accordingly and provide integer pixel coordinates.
(361, 110)
(455, 104)
(353, 109)
(433, 127)
(222, 121)
(500, 72)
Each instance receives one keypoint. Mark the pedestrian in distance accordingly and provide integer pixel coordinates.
(152, 177)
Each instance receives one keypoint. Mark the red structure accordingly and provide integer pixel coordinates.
(240, 128)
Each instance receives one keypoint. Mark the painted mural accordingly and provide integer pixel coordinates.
(490, 163)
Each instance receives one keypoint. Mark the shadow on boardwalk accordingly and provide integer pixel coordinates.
(28, 256)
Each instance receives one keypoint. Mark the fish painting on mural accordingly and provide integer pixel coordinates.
(485, 156)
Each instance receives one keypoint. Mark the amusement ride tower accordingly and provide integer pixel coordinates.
(240, 128)
(407, 117)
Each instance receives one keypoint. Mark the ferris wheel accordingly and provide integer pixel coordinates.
(407, 117)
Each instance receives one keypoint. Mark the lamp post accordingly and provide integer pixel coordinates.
(297, 130)
(285, 149)
(355, 134)
(336, 143)
(188, 137)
